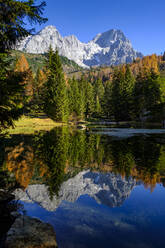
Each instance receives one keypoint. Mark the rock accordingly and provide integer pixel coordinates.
(27, 232)
(108, 48)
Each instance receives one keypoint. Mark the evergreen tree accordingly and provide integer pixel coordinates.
(107, 101)
(11, 94)
(75, 101)
(89, 100)
(152, 93)
(87, 97)
(38, 89)
(139, 96)
(117, 83)
(122, 88)
(147, 94)
(127, 92)
(55, 99)
(98, 96)
(12, 29)
(12, 16)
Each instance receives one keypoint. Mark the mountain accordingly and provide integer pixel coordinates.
(108, 48)
(108, 189)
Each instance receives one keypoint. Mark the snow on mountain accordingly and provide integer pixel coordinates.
(108, 48)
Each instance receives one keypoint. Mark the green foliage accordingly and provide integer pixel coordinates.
(12, 29)
(76, 105)
(147, 94)
(117, 88)
(98, 96)
(122, 88)
(11, 94)
(62, 153)
(87, 97)
(107, 100)
(12, 25)
(52, 149)
(55, 90)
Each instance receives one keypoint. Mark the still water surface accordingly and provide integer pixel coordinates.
(95, 188)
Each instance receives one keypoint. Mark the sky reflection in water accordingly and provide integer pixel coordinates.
(95, 190)
(139, 222)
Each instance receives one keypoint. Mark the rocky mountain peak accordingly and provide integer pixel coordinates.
(109, 37)
(47, 29)
(107, 48)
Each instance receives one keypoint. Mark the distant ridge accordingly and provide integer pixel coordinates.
(108, 48)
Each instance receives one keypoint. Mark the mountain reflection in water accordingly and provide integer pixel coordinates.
(63, 175)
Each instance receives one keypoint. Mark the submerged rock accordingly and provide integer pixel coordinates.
(27, 232)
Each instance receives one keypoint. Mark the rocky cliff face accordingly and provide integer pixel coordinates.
(108, 189)
(111, 47)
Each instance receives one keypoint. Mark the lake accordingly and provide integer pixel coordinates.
(101, 187)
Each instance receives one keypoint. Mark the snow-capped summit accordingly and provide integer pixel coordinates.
(110, 47)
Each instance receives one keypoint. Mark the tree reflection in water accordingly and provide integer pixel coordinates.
(53, 157)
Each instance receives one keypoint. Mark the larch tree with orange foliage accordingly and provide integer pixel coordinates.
(22, 65)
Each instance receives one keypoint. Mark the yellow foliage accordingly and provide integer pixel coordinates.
(20, 162)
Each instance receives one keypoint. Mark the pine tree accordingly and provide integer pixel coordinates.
(38, 91)
(107, 101)
(98, 96)
(12, 29)
(86, 97)
(12, 16)
(152, 92)
(127, 92)
(117, 101)
(11, 94)
(89, 99)
(75, 101)
(122, 89)
(147, 94)
(55, 99)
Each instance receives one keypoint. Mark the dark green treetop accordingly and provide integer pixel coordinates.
(12, 20)
(55, 99)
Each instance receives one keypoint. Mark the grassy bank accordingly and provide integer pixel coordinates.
(28, 125)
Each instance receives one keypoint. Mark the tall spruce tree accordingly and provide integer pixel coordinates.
(147, 94)
(55, 99)
(98, 96)
(127, 92)
(76, 107)
(107, 101)
(122, 88)
(87, 97)
(117, 86)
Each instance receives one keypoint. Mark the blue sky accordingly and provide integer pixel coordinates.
(142, 21)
